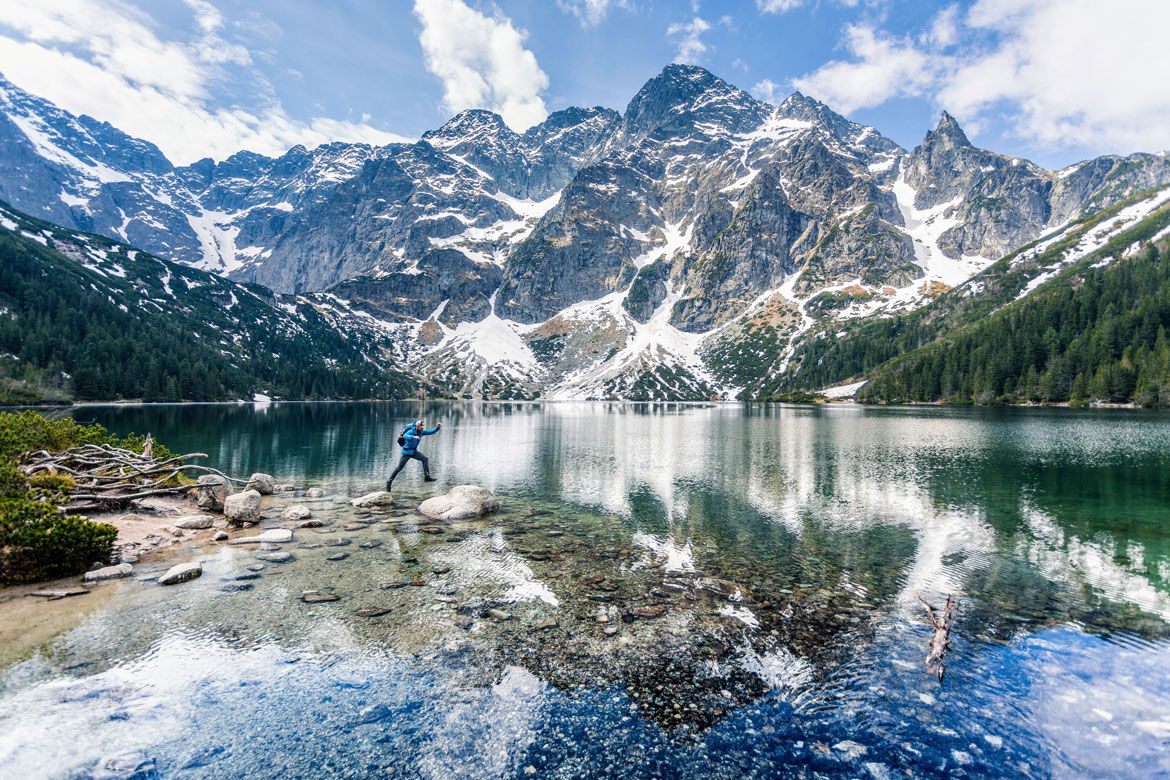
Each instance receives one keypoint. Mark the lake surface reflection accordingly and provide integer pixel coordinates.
(669, 590)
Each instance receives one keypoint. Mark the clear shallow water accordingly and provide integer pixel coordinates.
(1052, 526)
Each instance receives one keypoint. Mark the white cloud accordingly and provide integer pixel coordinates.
(882, 67)
(690, 45)
(768, 91)
(482, 62)
(1078, 74)
(103, 58)
(591, 12)
(784, 6)
(778, 6)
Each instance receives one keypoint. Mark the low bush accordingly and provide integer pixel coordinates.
(37, 540)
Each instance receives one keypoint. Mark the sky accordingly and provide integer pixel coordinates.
(1055, 81)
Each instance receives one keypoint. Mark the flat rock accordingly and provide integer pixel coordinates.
(337, 556)
(393, 585)
(315, 493)
(242, 507)
(275, 557)
(313, 524)
(368, 612)
(377, 498)
(353, 527)
(53, 595)
(337, 542)
(545, 625)
(284, 487)
(499, 614)
(370, 544)
(319, 598)
(234, 587)
(108, 573)
(219, 536)
(195, 522)
(181, 573)
(271, 536)
(262, 483)
(653, 611)
(462, 502)
(296, 513)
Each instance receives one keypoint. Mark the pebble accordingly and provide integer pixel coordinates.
(353, 527)
(232, 587)
(370, 544)
(338, 556)
(314, 492)
(220, 536)
(431, 529)
(545, 624)
(499, 614)
(602, 618)
(368, 612)
(649, 612)
(338, 542)
(313, 524)
(275, 557)
(610, 630)
(393, 585)
(256, 567)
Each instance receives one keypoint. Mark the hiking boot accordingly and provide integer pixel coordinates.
(429, 479)
(389, 483)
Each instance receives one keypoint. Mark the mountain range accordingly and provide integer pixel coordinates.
(697, 245)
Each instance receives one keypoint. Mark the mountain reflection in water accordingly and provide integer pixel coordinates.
(668, 590)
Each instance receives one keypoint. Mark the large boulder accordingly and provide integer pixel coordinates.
(263, 484)
(243, 507)
(181, 573)
(211, 492)
(462, 502)
(377, 498)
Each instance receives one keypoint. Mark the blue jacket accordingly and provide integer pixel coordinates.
(412, 439)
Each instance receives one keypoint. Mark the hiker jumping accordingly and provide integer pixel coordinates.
(409, 439)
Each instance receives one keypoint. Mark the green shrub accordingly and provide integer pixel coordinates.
(52, 482)
(39, 542)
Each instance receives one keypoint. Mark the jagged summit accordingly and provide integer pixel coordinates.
(948, 133)
(470, 125)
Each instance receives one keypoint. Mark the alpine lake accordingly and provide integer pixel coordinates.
(668, 591)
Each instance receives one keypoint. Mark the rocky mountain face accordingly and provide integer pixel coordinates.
(676, 250)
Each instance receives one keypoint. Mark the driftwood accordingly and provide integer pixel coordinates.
(940, 640)
(108, 477)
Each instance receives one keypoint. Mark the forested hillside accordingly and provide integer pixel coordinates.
(85, 318)
(1048, 323)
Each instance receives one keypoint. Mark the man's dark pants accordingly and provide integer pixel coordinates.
(417, 456)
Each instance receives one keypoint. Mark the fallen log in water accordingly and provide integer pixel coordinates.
(940, 640)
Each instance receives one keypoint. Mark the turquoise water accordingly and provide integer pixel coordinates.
(755, 567)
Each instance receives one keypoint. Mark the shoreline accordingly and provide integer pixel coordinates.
(723, 402)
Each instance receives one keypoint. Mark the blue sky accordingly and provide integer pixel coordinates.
(1052, 80)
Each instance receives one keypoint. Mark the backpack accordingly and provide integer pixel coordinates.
(402, 437)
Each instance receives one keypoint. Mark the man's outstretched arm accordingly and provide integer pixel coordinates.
(433, 430)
